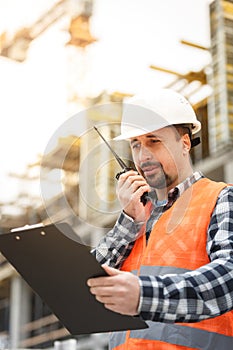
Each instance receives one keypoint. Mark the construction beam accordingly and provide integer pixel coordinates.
(190, 76)
(197, 46)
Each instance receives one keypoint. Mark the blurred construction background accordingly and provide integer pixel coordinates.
(82, 58)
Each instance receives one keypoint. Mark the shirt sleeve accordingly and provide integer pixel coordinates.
(116, 245)
(203, 293)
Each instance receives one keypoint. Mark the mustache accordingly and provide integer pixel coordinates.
(148, 164)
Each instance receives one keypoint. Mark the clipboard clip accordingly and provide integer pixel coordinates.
(27, 227)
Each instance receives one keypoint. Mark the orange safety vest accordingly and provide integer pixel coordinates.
(177, 244)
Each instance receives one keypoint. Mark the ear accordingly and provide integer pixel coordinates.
(186, 144)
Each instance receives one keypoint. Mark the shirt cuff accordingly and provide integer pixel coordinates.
(128, 227)
(149, 293)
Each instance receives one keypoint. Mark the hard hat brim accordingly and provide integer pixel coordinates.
(129, 132)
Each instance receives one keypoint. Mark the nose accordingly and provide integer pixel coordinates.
(144, 155)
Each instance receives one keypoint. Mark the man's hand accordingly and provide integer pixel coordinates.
(119, 292)
(130, 188)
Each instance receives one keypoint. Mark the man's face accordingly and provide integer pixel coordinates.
(159, 157)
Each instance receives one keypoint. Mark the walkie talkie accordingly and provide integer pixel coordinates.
(122, 164)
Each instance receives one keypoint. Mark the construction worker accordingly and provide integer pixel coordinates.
(169, 260)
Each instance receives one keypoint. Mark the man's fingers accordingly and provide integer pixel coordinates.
(104, 281)
(99, 281)
(102, 290)
(119, 291)
(111, 271)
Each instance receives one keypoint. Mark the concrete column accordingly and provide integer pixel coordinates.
(70, 344)
(19, 309)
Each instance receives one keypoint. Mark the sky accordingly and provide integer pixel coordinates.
(131, 35)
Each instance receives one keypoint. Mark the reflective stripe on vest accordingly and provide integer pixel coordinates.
(178, 335)
(116, 339)
(177, 244)
(185, 336)
(159, 270)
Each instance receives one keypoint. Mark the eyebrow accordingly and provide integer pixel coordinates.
(150, 136)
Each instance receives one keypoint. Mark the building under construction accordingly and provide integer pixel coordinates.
(87, 198)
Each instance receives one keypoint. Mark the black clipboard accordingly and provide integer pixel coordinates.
(56, 266)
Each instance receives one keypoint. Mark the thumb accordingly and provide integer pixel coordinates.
(110, 270)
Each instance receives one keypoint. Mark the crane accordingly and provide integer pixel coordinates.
(17, 46)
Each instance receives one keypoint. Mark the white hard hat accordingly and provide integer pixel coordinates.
(144, 114)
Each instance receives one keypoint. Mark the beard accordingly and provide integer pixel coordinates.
(159, 179)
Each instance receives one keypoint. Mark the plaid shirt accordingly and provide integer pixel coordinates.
(191, 296)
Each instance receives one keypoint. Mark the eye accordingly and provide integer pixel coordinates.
(136, 145)
(155, 141)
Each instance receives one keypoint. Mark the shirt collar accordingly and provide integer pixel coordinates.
(189, 181)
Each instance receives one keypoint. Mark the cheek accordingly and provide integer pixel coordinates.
(170, 161)
(135, 157)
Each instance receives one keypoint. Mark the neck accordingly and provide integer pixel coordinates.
(162, 193)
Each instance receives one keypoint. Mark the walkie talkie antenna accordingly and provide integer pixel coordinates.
(119, 160)
(124, 167)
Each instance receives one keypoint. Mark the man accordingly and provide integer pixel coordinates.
(170, 261)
